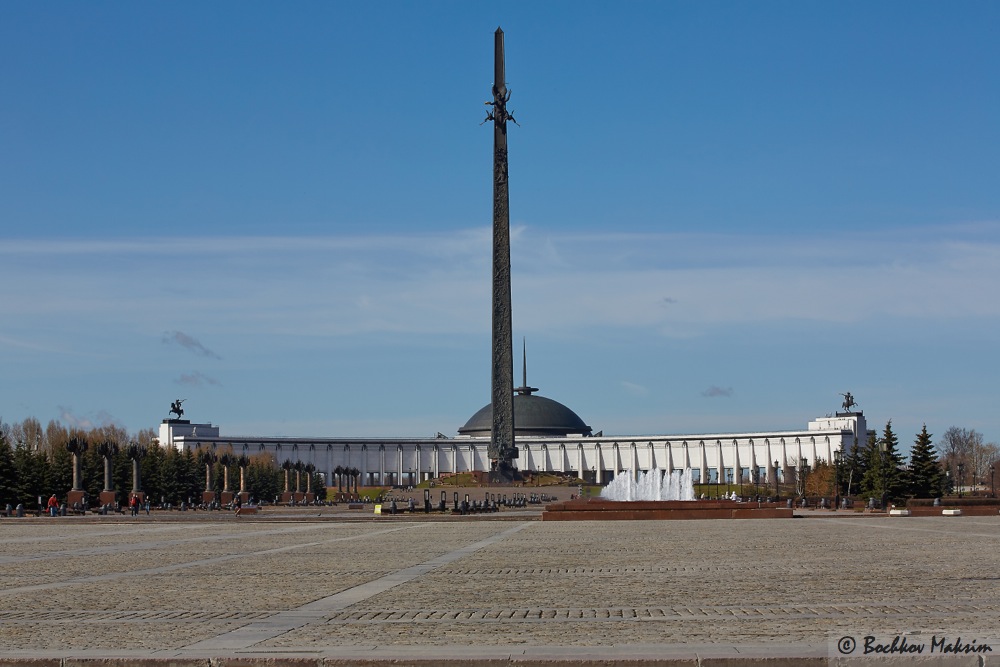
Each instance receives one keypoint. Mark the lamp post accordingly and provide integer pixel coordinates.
(838, 457)
(993, 486)
(777, 491)
(800, 470)
(961, 478)
(729, 482)
(883, 447)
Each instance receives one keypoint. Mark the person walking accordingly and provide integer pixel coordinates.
(53, 505)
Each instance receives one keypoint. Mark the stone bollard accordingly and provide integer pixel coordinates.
(20, 510)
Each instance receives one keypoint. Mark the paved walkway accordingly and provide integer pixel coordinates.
(295, 587)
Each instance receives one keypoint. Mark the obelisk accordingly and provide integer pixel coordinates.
(501, 451)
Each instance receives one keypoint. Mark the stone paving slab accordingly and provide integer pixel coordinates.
(488, 592)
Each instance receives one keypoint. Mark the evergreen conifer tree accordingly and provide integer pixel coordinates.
(884, 476)
(925, 478)
(8, 493)
(854, 468)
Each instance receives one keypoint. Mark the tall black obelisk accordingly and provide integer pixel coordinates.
(501, 452)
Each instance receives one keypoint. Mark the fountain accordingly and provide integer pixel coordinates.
(655, 484)
(656, 494)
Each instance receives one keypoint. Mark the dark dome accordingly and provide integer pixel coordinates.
(533, 415)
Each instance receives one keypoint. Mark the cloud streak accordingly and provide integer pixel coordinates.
(101, 418)
(197, 379)
(440, 283)
(314, 315)
(188, 342)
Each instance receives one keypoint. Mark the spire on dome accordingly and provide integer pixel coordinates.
(524, 389)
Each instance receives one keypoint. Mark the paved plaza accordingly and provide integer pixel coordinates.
(315, 588)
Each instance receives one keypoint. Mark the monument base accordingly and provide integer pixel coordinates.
(227, 497)
(612, 510)
(108, 498)
(504, 474)
(208, 497)
(74, 497)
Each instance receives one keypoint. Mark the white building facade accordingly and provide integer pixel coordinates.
(736, 458)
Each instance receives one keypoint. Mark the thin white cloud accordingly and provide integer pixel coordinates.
(100, 418)
(197, 379)
(440, 283)
(30, 345)
(633, 388)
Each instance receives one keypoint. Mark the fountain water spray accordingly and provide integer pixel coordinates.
(651, 485)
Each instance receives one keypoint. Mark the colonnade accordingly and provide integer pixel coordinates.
(733, 458)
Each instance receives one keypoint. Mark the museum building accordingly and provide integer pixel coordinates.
(550, 438)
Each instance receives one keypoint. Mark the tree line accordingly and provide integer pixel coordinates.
(962, 462)
(35, 462)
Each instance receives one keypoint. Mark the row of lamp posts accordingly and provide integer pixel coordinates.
(107, 449)
(227, 460)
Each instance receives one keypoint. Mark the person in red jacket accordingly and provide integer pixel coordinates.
(53, 505)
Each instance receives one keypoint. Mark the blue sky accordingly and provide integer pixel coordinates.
(723, 214)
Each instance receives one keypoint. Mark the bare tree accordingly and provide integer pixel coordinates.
(33, 434)
(27, 433)
(965, 447)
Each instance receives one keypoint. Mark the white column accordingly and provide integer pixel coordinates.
(704, 461)
(722, 464)
(768, 461)
(737, 468)
(784, 458)
(329, 464)
(381, 465)
(363, 479)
